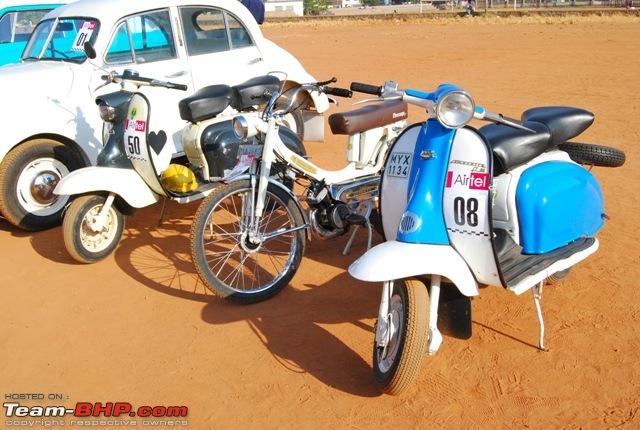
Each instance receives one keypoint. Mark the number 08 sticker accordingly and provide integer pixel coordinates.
(466, 194)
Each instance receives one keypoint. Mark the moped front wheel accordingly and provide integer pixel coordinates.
(235, 263)
(81, 239)
(398, 358)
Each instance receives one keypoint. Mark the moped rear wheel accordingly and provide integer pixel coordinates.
(83, 243)
(397, 364)
(231, 263)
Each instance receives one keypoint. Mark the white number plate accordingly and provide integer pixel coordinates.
(399, 164)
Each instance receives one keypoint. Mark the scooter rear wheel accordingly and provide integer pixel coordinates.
(396, 366)
(228, 261)
(82, 242)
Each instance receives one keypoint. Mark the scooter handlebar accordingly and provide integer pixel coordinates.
(366, 88)
(340, 92)
(169, 85)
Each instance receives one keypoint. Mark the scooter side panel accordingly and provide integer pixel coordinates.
(558, 202)
(124, 182)
(398, 260)
(466, 205)
(220, 145)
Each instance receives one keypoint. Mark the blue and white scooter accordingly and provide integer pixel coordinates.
(503, 205)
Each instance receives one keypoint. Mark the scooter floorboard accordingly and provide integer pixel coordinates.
(516, 266)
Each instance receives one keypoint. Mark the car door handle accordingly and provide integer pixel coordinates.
(254, 61)
(177, 74)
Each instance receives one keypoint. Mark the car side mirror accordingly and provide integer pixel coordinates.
(89, 50)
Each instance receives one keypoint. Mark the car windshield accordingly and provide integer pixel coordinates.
(61, 39)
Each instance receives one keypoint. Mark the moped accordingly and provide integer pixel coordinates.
(503, 205)
(248, 236)
(137, 168)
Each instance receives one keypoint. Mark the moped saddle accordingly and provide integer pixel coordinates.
(563, 122)
(368, 117)
(206, 103)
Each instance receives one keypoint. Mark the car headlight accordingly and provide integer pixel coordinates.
(455, 109)
(107, 113)
(244, 127)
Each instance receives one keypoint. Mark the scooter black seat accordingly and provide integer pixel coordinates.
(563, 122)
(368, 117)
(206, 103)
(513, 146)
(255, 91)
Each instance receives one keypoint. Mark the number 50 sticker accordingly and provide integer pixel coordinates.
(83, 35)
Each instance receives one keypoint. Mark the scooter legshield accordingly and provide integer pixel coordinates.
(398, 260)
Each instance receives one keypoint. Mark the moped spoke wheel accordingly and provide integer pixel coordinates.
(81, 239)
(396, 364)
(236, 264)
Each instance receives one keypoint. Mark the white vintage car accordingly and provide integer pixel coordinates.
(50, 120)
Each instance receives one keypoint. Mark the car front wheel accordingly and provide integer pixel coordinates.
(28, 176)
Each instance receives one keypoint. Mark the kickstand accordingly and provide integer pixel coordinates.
(537, 296)
(164, 205)
(353, 236)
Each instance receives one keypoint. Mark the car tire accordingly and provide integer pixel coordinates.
(28, 176)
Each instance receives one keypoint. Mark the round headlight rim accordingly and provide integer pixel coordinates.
(107, 112)
(240, 127)
(443, 102)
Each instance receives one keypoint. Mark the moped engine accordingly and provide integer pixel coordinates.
(336, 207)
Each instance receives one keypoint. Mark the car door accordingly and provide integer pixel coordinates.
(219, 46)
(146, 43)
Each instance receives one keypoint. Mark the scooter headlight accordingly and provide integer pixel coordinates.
(455, 109)
(107, 113)
(243, 127)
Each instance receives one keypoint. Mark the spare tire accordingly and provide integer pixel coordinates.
(596, 155)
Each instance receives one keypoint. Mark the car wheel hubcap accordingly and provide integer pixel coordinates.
(43, 185)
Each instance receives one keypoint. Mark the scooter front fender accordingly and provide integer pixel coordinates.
(398, 260)
(124, 182)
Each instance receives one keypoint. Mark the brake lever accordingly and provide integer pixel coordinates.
(379, 99)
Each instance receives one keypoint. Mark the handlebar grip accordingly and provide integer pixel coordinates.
(180, 87)
(340, 92)
(366, 88)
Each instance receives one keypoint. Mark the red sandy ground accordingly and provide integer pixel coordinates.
(140, 327)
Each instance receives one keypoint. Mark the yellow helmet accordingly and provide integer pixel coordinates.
(179, 179)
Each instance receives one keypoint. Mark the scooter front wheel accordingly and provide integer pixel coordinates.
(82, 241)
(397, 361)
(232, 262)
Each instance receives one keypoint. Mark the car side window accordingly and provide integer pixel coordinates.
(208, 30)
(17, 26)
(239, 34)
(142, 39)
